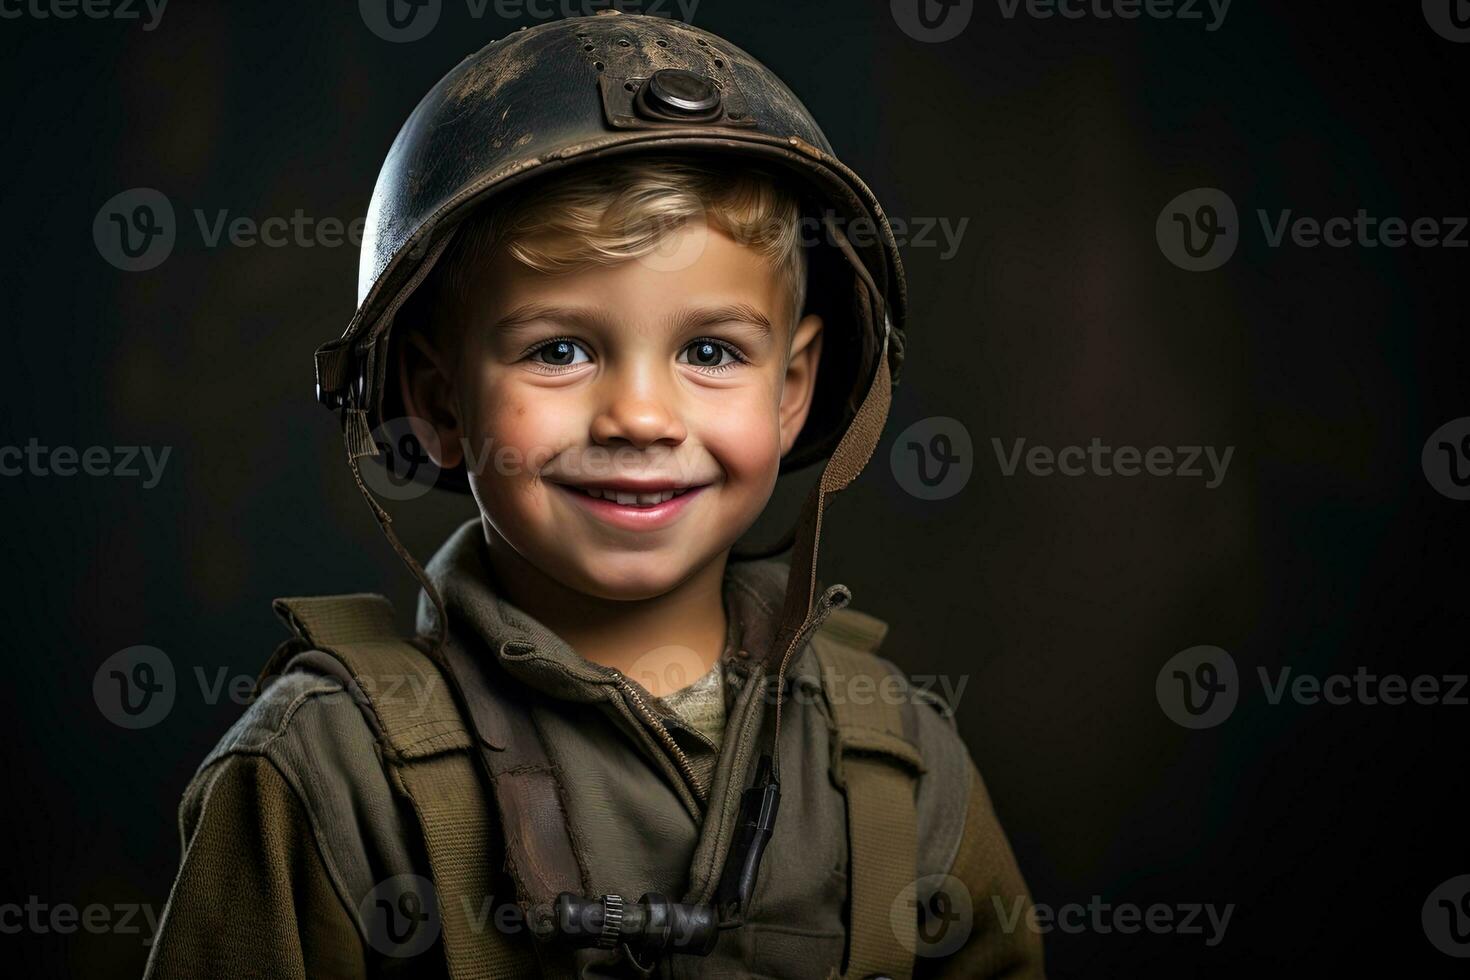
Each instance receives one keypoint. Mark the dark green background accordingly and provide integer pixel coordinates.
(1060, 599)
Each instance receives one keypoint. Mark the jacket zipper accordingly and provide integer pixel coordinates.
(685, 766)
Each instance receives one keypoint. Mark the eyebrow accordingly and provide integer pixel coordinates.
(531, 312)
(690, 320)
(742, 312)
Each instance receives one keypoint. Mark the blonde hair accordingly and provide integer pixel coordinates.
(609, 212)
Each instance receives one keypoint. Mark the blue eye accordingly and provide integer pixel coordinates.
(709, 354)
(560, 353)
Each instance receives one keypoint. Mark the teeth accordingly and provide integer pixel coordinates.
(632, 499)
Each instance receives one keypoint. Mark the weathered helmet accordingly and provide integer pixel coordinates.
(577, 91)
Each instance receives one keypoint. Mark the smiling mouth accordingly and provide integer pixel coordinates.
(627, 498)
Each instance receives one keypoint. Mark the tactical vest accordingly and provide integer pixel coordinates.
(482, 787)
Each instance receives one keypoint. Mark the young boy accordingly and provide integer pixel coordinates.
(590, 287)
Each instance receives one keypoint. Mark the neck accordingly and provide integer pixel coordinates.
(665, 642)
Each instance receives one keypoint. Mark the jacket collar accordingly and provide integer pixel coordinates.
(482, 622)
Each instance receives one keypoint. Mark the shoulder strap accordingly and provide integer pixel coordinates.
(427, 747)
(876, 764)
(542, 855)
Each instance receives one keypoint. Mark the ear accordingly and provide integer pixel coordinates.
(801, 379)
(427, 385)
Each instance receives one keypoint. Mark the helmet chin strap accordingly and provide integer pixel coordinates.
(385, 524)
(358, 440)
(798, 613)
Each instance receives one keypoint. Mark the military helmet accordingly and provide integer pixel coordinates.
(586, 89)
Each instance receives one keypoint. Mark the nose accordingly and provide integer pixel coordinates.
(639, 412)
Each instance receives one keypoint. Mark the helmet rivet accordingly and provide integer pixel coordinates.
(678, 92)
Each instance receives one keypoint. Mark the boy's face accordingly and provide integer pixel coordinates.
(624, 424)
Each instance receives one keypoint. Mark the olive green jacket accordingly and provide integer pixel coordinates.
(291, 827)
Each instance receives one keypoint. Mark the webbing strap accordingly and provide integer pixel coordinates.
(349, 618)
(876, 766)
(541, 853)
(410, 703)
(429, 751)
(457, 826)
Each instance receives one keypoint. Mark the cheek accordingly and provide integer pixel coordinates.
(514, 421)
(744, 437)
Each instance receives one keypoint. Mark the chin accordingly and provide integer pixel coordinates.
(632, 576)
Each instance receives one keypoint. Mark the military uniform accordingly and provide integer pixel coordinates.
(292, 822)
